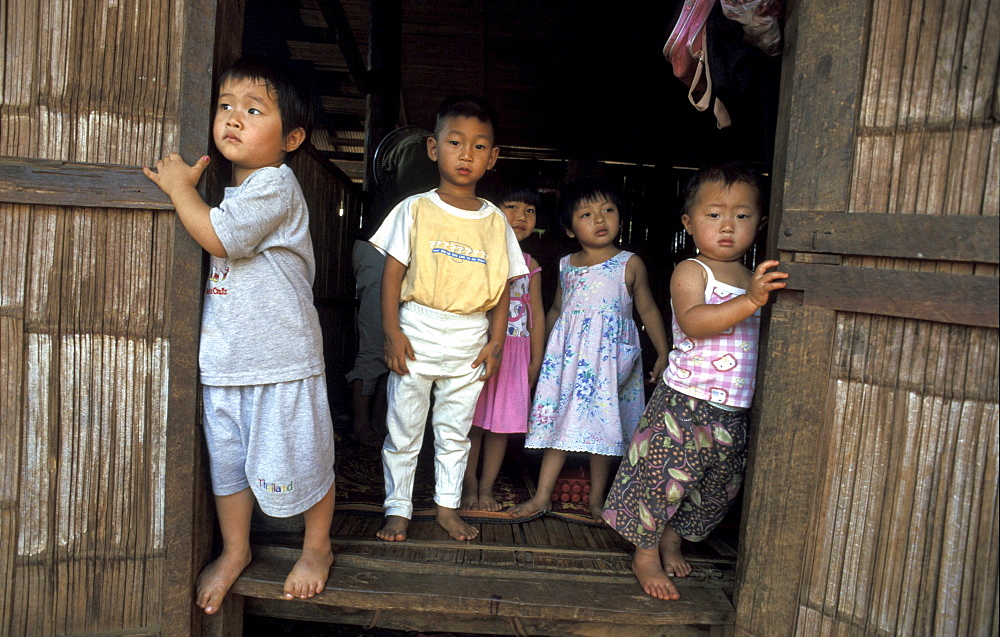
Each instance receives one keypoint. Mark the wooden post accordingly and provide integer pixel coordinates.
(385, 46)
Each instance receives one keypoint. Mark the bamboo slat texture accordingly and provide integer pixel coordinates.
(905, 539)
(85, 320)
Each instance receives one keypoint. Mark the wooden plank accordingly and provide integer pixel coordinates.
(786, 442)
(61, 183)
(931, 296)
(432, 623)
(188, 539)
(942, 237)
(464, 591)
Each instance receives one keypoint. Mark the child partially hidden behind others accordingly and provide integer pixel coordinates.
(267, 419)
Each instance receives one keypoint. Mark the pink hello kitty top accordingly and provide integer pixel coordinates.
(720, 368)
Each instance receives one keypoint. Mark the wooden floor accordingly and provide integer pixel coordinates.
(542, 577)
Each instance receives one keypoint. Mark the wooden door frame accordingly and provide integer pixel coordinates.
(825, 51)
(188, 525)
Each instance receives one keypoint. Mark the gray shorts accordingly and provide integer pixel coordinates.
(276, 439)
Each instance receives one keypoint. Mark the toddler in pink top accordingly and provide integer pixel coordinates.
(684, 465)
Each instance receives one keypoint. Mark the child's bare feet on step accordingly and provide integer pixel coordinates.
(530, 508)
(218, 577)
(597, 512)
(670, 554)
(308, 576)
(653, 579)
(456, 527)
(470, 497)
(486, 500)
(394, 529)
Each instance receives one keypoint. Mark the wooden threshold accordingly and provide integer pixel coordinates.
(440, 593)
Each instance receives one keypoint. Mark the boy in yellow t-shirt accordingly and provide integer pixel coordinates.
(450, 257)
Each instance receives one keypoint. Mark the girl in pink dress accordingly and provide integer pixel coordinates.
(503, 405)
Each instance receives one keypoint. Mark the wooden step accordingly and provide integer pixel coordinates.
(440, 594)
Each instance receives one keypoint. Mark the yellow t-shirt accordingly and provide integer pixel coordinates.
(457, 260)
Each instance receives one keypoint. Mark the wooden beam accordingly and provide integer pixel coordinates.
(385, 59)
(969, 238)
(464, 590)
(335, 17)
(60, 183)
(961, 299)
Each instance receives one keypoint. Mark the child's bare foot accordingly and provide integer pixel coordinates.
(670, 554)
(530, 508)
(487, 502)
(654, 581)
(394, 529)
(597, 512)
(217, 578)
(308, 576)
(470, 498)
(456, 527)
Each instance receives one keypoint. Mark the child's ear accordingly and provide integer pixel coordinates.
(569, 233)
(432, 148)
(294, 139)
(686, 222)
(494, 153)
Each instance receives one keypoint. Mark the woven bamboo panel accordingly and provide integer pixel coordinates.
(84, 321)
(905, 540)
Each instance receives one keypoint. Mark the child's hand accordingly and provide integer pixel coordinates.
(397, 351)
(172, 173)
(762, 283)
(489, 356)
(657, 371)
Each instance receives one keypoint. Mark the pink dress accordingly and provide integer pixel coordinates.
(504, 401)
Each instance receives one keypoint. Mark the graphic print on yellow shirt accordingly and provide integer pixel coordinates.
(457, 265)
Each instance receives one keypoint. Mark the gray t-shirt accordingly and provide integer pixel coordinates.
(259, 325)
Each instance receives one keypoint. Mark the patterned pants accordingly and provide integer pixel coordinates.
(684, 465)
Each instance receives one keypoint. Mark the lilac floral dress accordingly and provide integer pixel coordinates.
(590, 396)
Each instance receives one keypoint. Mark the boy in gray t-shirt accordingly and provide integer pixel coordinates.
(267, 419)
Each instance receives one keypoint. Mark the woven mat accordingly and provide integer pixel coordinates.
(361, 490)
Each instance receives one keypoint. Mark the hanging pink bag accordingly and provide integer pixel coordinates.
(687, 51)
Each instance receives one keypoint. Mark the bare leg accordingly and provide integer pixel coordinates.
(670, 554)
(394, 529)
(470, 484)
(552, 464)
(217, 578)
(648, 570)
(494, 449)
(309, 575)
(456, 527)
(599, 468)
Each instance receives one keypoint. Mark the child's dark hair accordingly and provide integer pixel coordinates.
(583, 190)
(736, 172)
(466, 106)
(291, 92)
(516, 191)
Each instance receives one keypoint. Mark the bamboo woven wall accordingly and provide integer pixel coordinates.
(906, 537)
(84, 320)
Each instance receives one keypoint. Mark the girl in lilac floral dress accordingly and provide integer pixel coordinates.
(590, 393)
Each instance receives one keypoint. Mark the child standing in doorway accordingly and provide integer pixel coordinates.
(503, 405)
(450, 257)
(685, 463)
(590, 391)
(267, 418)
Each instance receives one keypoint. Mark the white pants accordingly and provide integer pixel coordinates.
(445, 345)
